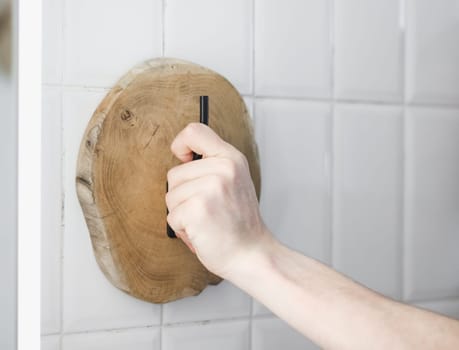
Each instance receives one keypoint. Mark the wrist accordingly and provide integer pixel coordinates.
(255, 258)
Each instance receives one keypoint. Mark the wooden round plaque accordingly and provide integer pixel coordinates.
(121, 173)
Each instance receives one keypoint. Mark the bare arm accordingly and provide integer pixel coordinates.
(334, 311)
(213, 208)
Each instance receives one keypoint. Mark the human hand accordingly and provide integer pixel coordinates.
(212, 202)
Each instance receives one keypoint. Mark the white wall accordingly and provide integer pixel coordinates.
(356, 109)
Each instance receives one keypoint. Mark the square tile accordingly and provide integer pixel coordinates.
(51, 212)
(275, 334)
(138, 339)
(368, 50)
(222, 336)
(432, 203)
(50, 342)
(91, 302)
(367, 183)
(53, 43)
(215, 302)
(215, 34)
(447, 307)
(432, 51)
(292, 48)
(106, 38)
(294, 141)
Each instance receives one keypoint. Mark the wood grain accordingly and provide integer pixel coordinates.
(121, 173)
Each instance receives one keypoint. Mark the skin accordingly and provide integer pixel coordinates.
(213, 208)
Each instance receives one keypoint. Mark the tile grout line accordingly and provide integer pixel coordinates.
(251, 305)
(450, 298)
(403, 211)
(109, 330)
(161, 320)
(80, 87)
(331, 135)
(331, 204)
(52, 334)
(403, 195)
(172, 325)
(307, 99)
(359, 102)
(224, 320)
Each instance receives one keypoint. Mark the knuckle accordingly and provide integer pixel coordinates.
(240, 157)
(191, 129)
(176, 219)
(217, 184)
(231, 170)
(244, 159)
(237, 154)
(200, 207)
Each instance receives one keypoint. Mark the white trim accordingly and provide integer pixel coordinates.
(29, 173)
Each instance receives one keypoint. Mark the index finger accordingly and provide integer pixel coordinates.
(198, 138)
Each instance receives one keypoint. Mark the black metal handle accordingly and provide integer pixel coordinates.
(204, 119)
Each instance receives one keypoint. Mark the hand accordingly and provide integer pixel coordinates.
(212, 202)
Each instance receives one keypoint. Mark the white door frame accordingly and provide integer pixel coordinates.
(29, 47)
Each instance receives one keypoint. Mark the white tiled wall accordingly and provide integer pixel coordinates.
(432, 193)
(292, 48)
(432, 52)
(274, 334)
(138, 339)
(102, 38)
(50, 342)
(227, 335)
(368, 50)
(367, 181)
(222, 301)
(356, 111)
(217, 34)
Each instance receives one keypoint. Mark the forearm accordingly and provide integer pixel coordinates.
(334, 311)
(217, 192)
